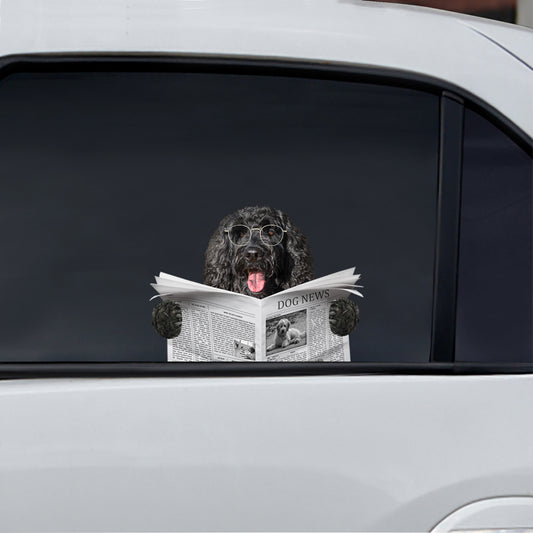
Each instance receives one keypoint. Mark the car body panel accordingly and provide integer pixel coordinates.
(337, 453)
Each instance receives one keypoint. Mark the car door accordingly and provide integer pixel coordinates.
(114, 169)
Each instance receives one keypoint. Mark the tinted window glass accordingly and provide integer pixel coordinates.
(494, 317)
(109, 178)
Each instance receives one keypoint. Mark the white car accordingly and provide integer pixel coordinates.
(399, 139)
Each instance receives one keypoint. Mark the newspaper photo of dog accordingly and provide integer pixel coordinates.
(244, 350)
(285, 332)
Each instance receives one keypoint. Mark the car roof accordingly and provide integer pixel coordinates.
(492, 60)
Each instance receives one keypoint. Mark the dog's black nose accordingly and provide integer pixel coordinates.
(253, 254)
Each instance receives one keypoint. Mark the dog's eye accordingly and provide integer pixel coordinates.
(271, 234)
(238, 234)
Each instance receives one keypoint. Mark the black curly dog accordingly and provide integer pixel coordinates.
(257, 251)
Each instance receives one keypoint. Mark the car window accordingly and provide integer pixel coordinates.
(494, 300)
(108, 178)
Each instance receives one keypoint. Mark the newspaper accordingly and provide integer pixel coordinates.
(292, 325)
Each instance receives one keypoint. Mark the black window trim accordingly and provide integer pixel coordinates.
(453, 99)
(448, 220)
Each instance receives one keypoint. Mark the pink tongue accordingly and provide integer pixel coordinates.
(256, 281)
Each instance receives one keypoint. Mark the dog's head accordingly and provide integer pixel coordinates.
(282, 327)
(257, 251)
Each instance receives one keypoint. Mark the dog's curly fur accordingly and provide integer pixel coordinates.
(285, 265)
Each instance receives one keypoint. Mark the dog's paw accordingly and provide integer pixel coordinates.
(166, 319)
(343, 316)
